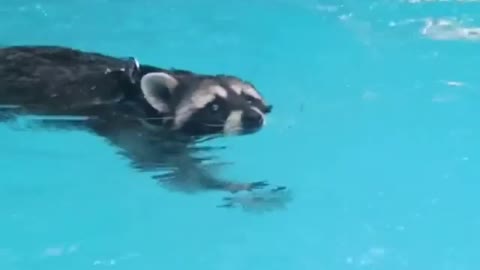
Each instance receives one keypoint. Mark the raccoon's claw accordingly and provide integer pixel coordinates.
(228, 203)
(266, 199)
(257, 185)
(279, 188)
(234, 188)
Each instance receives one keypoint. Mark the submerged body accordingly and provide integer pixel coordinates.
(152, 115)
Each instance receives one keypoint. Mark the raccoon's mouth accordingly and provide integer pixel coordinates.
(244, 122)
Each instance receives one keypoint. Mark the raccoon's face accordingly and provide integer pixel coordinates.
(206, 105)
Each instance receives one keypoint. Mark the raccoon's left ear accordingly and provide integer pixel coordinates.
(157, 88)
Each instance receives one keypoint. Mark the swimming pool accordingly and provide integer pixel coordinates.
(374, 130)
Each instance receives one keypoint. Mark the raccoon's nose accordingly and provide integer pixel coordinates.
(252, 119)
(268, 108)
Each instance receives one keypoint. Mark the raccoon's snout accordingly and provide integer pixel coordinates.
(252, 119)
(268, 109)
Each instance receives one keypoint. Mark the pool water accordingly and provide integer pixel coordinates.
(374, 130)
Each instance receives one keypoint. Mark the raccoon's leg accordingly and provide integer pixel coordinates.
(156, 152)
(183, 171)
(190, 174)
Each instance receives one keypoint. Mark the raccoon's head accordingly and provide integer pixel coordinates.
(200, 105)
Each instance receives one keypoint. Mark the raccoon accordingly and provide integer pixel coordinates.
(154, 116)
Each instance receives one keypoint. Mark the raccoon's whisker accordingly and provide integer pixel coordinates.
(166, 117)
(235, 130)
(158, 118)
(213, 125)
(230, 130)
(207, 138)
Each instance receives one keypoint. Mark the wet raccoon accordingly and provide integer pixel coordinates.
(154, 116)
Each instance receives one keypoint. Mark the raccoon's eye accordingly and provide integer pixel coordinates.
(249, 99)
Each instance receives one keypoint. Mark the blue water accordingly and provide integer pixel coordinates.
(375, 130)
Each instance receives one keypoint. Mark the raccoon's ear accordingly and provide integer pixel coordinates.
(157, 88)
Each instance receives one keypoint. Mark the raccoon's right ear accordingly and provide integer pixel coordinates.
(157, 88)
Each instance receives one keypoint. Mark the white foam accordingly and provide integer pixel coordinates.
(445, 29)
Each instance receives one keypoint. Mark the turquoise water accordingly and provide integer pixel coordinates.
(374, 129)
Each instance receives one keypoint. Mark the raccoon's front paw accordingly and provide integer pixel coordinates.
(262, 184)
(262, 200)
(237, 187)
(257, 185)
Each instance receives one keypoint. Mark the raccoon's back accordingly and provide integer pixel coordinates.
(55, 76)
